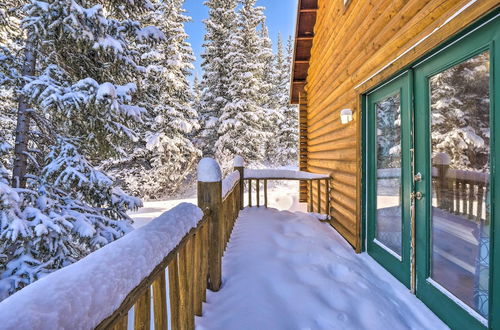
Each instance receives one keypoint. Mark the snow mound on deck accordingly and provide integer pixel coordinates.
(286, 270)
(83, 294)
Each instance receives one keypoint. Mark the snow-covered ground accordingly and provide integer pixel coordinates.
(285, 270)
(154, 209)
(282, 195)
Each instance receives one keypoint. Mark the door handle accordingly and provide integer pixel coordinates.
(418, 195)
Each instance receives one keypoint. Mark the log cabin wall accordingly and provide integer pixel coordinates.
(355, 47)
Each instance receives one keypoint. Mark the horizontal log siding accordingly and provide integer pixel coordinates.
(349, 47)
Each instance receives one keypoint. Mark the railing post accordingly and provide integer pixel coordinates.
(265, 193)
(310, 194)
(210, 197)
(327, 181)
(442, 162)
(239, 165)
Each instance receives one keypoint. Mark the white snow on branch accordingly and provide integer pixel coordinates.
(83, 294)
(150, 33)
(283, 174)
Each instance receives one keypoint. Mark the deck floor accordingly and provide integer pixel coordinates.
(285, 270)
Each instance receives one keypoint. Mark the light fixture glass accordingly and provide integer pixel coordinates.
(346, 116)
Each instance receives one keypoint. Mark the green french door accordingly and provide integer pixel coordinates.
(456, 122)
(431, 177)
(389, 142)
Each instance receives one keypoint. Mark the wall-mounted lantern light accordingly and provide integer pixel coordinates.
(346, 116)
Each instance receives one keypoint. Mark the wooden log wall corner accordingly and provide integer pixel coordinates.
(303, 193)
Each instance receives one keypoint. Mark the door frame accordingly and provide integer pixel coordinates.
(489, 20)
(399, 266)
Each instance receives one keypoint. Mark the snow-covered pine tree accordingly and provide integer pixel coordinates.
(196, 105)
(242, 122)
(288, 118)
(284, 149)
(75, 99)
(269, 99)
(70, 210)
(10, 75)
(268, 74)
(217, 60)
(165, 154)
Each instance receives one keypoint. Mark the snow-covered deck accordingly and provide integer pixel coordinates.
(285, 270)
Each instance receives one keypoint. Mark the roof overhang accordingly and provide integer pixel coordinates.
(304, 34)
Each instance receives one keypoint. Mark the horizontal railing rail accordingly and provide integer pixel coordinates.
(263, 176)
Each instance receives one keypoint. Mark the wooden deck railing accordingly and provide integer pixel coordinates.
(461, 192)
(160, 271)
(314, 183)
(193, 266)
(187, 266)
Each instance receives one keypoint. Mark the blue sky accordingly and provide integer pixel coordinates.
(280, 18)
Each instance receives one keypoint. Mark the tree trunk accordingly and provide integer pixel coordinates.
(23, 124)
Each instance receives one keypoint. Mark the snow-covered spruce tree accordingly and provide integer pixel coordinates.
(288, 115)
(10, 45)
(460, 113)
(71, 210)
(196, 90)
(242, 122)
(75, 98)
(196, 105)
(269, 99)
(217, 77)
(166, 155)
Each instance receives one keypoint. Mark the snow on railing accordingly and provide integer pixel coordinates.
(82, 295)
(229, 183)
(278, 174)
(316, 197)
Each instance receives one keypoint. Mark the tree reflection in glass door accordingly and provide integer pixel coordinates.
(460, 135)
(389, 220)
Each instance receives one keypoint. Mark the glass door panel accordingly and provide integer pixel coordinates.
(389, 142)
(460, 214)
(388, 216)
